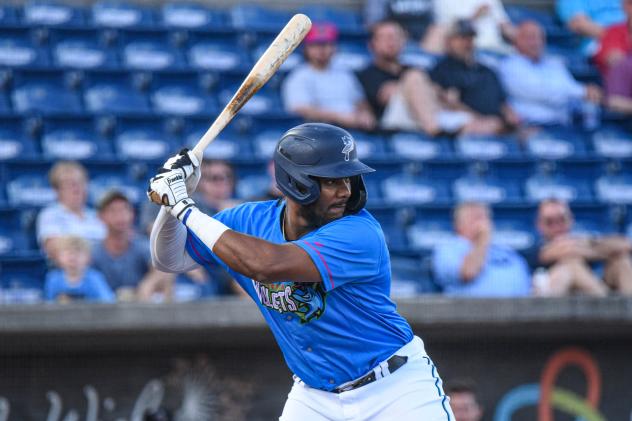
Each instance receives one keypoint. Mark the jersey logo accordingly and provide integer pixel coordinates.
(349, 146)
(306, 301)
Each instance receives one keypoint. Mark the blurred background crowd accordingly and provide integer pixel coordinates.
(501, 134)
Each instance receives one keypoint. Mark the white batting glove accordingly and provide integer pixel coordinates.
(189, 163)
(168, 188)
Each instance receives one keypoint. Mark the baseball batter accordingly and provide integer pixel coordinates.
(317, 265)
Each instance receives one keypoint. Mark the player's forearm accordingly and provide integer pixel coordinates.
(167, 244)
(473, 262)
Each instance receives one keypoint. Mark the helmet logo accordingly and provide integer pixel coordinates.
(349, 146)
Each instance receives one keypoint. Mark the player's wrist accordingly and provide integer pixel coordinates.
(206, 228)
(182, 208)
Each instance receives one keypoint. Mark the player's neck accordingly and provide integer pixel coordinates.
(294, 224)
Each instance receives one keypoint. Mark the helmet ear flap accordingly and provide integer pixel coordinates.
(358, 197)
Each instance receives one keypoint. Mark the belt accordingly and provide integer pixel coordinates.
(392, 364)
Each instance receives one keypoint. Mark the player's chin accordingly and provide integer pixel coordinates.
(336, 212)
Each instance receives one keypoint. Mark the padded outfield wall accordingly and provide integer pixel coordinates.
(533, 359)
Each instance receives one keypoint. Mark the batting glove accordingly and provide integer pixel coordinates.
(168, 188)
(189, 163)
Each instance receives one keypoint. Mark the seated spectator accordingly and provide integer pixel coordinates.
(463, 400)
(589, 18)
(123, 257)
(615, 62)
(400, 97)
(568, 256)
(540, 88)
(416, 17)
(489, 18)
(75, 279)
(216, 189)
(470, 86)
(69, 215)
(320, 91)
(472, 265)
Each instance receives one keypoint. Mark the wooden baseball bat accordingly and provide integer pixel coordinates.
(282, 46)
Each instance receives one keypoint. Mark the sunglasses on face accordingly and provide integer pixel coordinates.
(218, 178)
(555, 220)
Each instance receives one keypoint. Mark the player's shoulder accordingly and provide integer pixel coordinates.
(362, 221)
(250, 210)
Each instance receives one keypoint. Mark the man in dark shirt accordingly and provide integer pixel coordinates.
(468, 85)
(401, 98)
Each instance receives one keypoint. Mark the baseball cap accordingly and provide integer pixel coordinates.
(463, 28)
(322, 33)
(109, 197)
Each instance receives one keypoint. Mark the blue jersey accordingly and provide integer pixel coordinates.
(335, 330)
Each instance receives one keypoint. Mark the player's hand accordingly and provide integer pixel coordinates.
(168, 188)
(189, 163)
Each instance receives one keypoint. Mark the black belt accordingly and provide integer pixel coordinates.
(393, 364)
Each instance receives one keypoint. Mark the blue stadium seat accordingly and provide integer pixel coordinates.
(414, 56)
(486, 147)
(22, 278)
(50, 13)
(412, 189)
(251, 17)
(448, 170)
(74, 138)
(29, 190)
(143, 139)
(217, 52)
(13, 239)
(369, 145)
(592, 219)
(187, 15)
(487, 189)
(147, 50)
(347, 21)
(514, 226)
(252, 179)
(556, 143)
(612, 142)
(19, 47)
(46, 92)
(101, 184)
(517, 170)
(543, 186)
(15, 142)
(265, 141)
(114, 93)
(265, 102)
(393, 220)
(432, 228)
(352, 55)
(229, 145)
(411, 276)
(8, 15)
(181, 94)
(82, 49)
(419, 147)
(614, 189)
(120, 14)
(627, 229)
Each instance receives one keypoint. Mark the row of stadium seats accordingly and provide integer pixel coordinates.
(189, 15)
(253, 136)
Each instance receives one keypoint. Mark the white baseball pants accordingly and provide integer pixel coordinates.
(412, 393)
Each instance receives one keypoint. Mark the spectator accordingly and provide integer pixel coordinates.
(589, 18)
(488, 17)
(69, 215)
(272, 192)
(416, 17)
(540, 88)
(470, 86)
(615, 61)
(320, 91)
(568, 256)
(403, 98)
(216, 189)
(463, 400)
(75, 279)
(472, 265)
(122, 256)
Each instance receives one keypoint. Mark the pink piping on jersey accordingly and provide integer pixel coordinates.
(331, 280)
(197, 253)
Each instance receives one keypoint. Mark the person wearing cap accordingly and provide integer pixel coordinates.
(320, 91)
(488, 17)
(123, 256)
(465, 84)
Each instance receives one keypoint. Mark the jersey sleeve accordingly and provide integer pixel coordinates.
(348, 250)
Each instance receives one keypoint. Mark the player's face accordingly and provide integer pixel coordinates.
(465, 407)
(331, 205)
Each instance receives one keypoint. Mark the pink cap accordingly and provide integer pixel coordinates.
(322, 33)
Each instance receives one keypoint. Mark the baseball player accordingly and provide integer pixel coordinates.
(317, 265)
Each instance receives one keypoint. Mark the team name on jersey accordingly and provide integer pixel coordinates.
(306, 301)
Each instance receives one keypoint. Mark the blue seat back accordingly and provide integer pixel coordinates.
(114, 93)
(82, 49)
(120, 14)
(50, 13)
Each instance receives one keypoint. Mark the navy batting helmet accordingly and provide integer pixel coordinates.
(318, 150)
